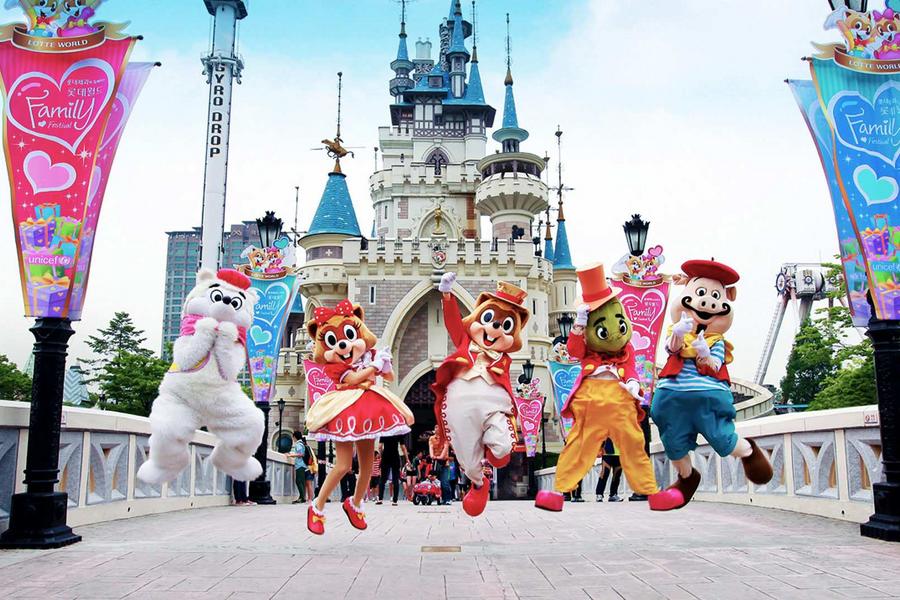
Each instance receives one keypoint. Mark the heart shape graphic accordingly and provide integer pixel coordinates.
(55, 96)
(646, 309)
(875, 189)
(118, 115)
(316, 378)
(272, 302)
(529, 414)
(866, 126)
(259, 335)
(638, 341)
(45, 175)
(564, 377)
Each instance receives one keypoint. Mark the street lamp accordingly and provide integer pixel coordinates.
(565, 322)
(269, 228)
(280, 404)
(636, 234)
(527, 372)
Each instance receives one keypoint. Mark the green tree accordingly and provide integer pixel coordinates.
(119, 337)
(853, 385)
(14, 384)
(809, 364)
(129, 382)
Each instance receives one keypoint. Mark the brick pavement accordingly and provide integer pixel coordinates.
(591, 551)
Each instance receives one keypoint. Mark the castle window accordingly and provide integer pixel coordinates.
(385, 212)
(533, 306)
(438, 160)
(371, 294)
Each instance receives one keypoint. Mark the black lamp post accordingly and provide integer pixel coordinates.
(636, 234)
(565, 322)
(260, 489)
(37, 517)
(885, 523)
(280, 405)
(269, 228)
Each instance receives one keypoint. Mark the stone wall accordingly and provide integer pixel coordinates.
(414, 343)
(388, 294)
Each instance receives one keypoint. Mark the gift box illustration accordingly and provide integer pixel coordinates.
(46, 211)
(47, 296)
(877, 241)
(37, 233)
(67, 230)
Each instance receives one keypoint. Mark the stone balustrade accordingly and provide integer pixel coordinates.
(825, 463)
(100, 452)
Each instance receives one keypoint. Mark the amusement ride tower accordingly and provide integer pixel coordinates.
(222, 67)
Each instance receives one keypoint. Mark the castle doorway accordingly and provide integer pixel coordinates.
(420, 400)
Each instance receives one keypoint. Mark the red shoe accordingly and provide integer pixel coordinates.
(476, 499)
(495, 462)
(357, 517)
(549, 500)
(314, 521)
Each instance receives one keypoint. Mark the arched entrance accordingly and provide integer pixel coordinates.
(420, 400)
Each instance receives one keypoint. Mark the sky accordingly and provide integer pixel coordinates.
(665, 112)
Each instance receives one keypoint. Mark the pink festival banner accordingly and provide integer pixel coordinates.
(530, 407)
(646, 306)
(317, 382)
(60, 99)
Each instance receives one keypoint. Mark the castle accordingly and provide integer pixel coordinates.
(437, 180)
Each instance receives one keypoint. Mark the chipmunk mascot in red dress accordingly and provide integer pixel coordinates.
(355, 413)
(473, 396)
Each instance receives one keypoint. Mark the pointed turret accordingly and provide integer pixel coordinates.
(562, 258)
(548, 240)
(335, 213)
(457, 54)
(510, 135)
(401, 65)
(474, 90)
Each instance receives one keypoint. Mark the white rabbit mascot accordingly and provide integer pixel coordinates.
(201, 387)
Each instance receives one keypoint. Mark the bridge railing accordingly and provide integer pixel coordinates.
(825, 463)
(100, 453)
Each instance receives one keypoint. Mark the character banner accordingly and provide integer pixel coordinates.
(59, 101)
(646, 308)
(264, 336)
(317, 384)
(862, 110)
(530, 408)
(563, 377)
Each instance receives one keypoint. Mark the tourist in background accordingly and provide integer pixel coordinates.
(298, 453)
(375, 479)
(609, 464)
(392, 449)
(239, 492)
(411, 477)
(348, 481)
(453, 476)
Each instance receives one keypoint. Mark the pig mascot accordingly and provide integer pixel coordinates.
(693, 395)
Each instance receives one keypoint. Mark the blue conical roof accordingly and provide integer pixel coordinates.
(548, 249)
(335, 213)
(562, 258)
(510, 119)
(474, 91)
(458, 40)
(402, 52)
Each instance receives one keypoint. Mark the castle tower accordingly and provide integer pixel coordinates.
(402, 66)
(564, 277)
(511, 192)
(548, 241)
(437, 135)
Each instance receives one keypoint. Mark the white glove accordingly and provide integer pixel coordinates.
(365, 360)
(581, 315)
(685, 325)
(632, 387)
(447, 281)
(382, 361)
(700, 346)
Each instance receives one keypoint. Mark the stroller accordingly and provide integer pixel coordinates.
(426, 492)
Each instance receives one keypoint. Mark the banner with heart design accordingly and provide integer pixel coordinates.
(646, 308)
(317, 382)
(851, 257)
(57, 106)
(530, 411)
(264, 336)
(563, 377)
(862, 143)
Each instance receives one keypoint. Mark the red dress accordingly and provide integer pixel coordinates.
(353, 413)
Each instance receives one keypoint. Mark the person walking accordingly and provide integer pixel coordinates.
(453, 476)
(298, 453)
(392, 448)
(411, 475)
(239, 491)
(348, 481)
(375, 479)
(610, 464)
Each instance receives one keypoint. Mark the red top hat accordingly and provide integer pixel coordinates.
(595, 288)
(712, 270)
(511, 295)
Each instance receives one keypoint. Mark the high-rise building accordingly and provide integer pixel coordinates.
(182, 262)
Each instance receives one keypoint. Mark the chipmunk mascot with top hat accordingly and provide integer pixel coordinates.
(605, 400)
(693, 395)
(473, 395)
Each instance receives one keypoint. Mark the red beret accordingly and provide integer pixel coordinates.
(712, 270)
(234, 277)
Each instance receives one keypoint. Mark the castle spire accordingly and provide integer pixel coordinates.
(548, 239)
(562, 257)
(510, 135)
(401, 65)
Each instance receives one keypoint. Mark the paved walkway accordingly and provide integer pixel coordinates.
(591, 551)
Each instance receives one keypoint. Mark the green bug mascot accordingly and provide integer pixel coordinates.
(605, 399)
